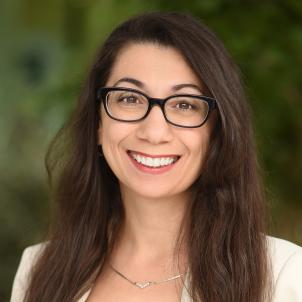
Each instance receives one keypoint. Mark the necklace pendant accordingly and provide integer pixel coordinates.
(143, 284)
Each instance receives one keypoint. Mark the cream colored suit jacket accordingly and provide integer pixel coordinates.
(286, 260)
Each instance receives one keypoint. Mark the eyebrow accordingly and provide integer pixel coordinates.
(141, 85)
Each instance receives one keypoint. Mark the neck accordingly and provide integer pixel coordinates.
(150, 232)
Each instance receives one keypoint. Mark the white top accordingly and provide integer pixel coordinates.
(286, 260)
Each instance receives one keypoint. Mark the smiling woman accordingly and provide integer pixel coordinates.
(158, 192)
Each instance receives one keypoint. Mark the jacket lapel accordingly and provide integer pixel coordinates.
(85, 296)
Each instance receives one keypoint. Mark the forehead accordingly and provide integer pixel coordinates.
(153, 64)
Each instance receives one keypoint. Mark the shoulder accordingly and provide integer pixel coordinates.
(28, 259)
(286, 259)
(282, 252)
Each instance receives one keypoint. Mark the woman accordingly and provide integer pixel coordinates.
(158, 193)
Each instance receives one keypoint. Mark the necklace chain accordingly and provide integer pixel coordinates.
(144, 284)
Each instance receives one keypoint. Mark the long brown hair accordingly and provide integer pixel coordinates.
(227, 249)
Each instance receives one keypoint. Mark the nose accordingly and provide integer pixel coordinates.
(154, 128)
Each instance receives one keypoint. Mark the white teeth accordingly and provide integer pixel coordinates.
(148, 161)
(153, 162)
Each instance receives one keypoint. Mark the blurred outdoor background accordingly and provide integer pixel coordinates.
(46, 49)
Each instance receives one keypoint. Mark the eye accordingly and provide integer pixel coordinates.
(130, 99)
(184, 106)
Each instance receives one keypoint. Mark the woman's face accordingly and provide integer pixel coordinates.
(156, 71)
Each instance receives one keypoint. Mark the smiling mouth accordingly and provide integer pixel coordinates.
(153, 162)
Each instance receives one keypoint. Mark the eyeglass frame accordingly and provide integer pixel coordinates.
(102, 93)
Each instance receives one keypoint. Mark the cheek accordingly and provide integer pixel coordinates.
(109, 138)
(112, 134)
(107, 132)
(197, 141)
(108, 135)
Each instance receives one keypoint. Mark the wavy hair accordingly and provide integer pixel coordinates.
(226, 218)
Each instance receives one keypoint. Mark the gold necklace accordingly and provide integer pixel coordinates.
(144, 284)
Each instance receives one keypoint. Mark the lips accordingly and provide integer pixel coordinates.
(155, 162)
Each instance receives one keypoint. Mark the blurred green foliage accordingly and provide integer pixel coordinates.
(46, 49)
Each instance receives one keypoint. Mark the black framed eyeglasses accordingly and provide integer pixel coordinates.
(131, 105)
